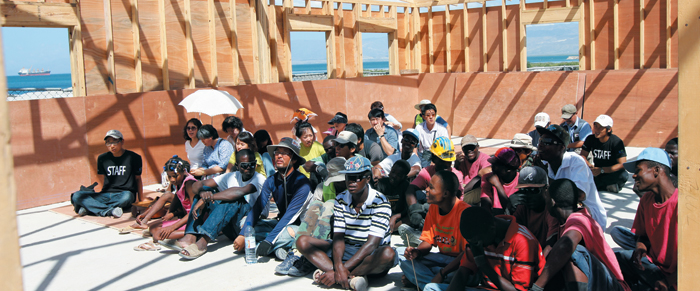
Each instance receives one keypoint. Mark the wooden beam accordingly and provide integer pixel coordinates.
(582, 59)
(257, 78)
(288, 9)
(417, 59)
(303, 22)
(212, 43)
(448, 47)
(376, 24)
(484, 45)
(465, 31)
(38, 14)
(616, 33)
(669, 25)
(233, 23)
(591, 22)
(407, 39)
(307, 6)
(164, 45)
(523, 39)
(545, 5)
(263, 37)
(689, 157)
(136, 34)
(504, 36)
(274, 55)
(190, 45)
(642, 17)
(551, 15)
(381, 10)
(341, 17)
(431, 51)
(394, 44)
(357, 37)
(77, 61)
(330, 41)
(111, 70)
(377, 2)
(429, 3)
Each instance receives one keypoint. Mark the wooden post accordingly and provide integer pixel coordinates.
(330, 42)
(233, 19)
(262, 35)
(272, 30)
(616, 33)
(504, 35)
(288, 9)
(591, 21)
(465, 30)
(164, 45)
(668, 34)
(77, 61)
(257, 79)
(212, 43)
(393, 44)
(418, 62)
(431, 54)
(111, 70)
(136, 33)
(448, 43)
(523, 40)
(11, 267)
(357, 9)
(484, 45)
(342, 39)
(190, 45)
(582, 59)
(407, 38)
(642, 16)
(689, 157)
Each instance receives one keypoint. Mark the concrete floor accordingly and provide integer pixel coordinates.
(63, 253)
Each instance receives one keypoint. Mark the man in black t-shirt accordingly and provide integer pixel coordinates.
(394, 189)
(609, 155)
(120, 171)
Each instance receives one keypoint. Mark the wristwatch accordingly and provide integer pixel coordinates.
(602, 171)
(381, 136)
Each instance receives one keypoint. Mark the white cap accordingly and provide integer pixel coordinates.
(541, 119)
(604, 121)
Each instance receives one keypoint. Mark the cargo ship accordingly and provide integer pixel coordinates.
(30, 72)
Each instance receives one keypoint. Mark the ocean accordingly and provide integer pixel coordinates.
(550, 59)
(321, 68)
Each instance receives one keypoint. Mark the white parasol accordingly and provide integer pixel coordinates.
(211, 102)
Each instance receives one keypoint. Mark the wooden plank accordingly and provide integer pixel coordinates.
(429, 3)
(448, 47)
(582, 59)
(376, 24)
(307, 6)
(393, 45)
(417, 62)
(407, 39)
(256, 79)
(504, 35)
(431, 53)
(341, 36)
(616, 33)
(591, 22)
(376, 2)
(164, 45)
(545, 5)
(357, 38)
(303, 22)
(36, 14)
(330, 41)
(689, 157)
(112, 81)
(190, 45)
(484, 45)
(136, 32)
(77, 59)
(551, 15)
(381, 10)
(465, 32)
(288, 9)
(263, 40)
(642, 16)
(233, 23)
(212, 43)
(669, 26)
(274, 59)
(523, 38)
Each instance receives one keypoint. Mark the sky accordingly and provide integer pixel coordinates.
(39, 48)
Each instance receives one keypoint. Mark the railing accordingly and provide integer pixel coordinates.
(17, 94)
(555, 68)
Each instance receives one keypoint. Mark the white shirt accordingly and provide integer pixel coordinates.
(393, 120)
(195, 154)
(574, 168)
(235, 179)
(389, 162)
(428, 136)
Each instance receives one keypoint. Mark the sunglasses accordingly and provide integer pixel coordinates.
(276, 153)
(248, 165)
(342, 145)
(191, 128)
(410, 142)
(112, 143)
(530, 190)
(549, 141)
(354, 177)
(468, 148)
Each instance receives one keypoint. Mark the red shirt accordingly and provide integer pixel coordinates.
(471, 170)
(594, 241)
(488, 190)
(543, 225)
(518, 258)
(659, 222)
(423, 178)
(443, 230)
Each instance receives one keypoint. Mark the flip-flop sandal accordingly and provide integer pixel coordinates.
(130, 229)
(148, 246)
(317, 275)
(193, 252)
(170, 244)
(146, 233)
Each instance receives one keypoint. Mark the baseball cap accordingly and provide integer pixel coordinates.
(443, 148)
(421, 103)
(522, 141)
(114, 134)
(604, 121)
(339, 118)
(567, 111)
(334, 166)
(541, 119)
(557, 131)
(532, 177)
(506, 157)
(356, 164)
(411, 132)
(469, 139)
(346, 137)
(649, 154)
(287, 142)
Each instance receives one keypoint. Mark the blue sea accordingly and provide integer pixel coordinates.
(62, 81)
(321, 68)
(550, 59)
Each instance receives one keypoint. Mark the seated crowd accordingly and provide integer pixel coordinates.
(528, 217)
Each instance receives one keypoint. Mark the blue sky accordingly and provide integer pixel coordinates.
(39, 48)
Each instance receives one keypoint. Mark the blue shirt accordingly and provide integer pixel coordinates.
(391, 135)
(290, 203)
(218, 156)
(579, 131)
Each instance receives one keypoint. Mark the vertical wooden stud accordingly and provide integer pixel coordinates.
(190, 45)
(523, 39)
(431, 53)
(393, 44)
(504, 36)
(212, 43)
(591, 21)
(272, 29)
(307, 6)
(288, 9)
(330, 42)
(448, 44)
(342, 39)
(257, 76)
(418, 62)
(465, 30)
(408, 40)
(77, 61)
(136, 33)
(669, 52)
(164, 45)
(616, 33)
(642, 17)
(112, 78)
(357, 9)
(582, 59)
(484, 45)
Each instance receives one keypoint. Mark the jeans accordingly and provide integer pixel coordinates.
(603, 180)
(426, 267)
(624, 237)
(284, 240)
(222, 217)
(101, 204)
(599, 277)
(644, 279)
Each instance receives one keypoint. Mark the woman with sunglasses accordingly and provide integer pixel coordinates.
(172, 226)
(193, 146)
(245, 140)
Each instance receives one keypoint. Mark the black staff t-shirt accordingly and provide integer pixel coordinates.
(120, 172)
(605, 154)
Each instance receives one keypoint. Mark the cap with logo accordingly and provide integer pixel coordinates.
(522, 141)
(334, 166)
(114, 134)
(346, 137)
(357, 164)
(604, 121)
(443, 148)
(557, 131)
(567, 111)
(649, 154)
(532, 177)
(541, 119)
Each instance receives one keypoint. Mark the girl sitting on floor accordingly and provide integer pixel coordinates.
(172, 226)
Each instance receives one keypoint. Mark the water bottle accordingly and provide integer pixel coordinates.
(249, 233)
(164, 181)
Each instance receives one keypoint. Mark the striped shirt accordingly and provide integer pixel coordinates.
(372, 220)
